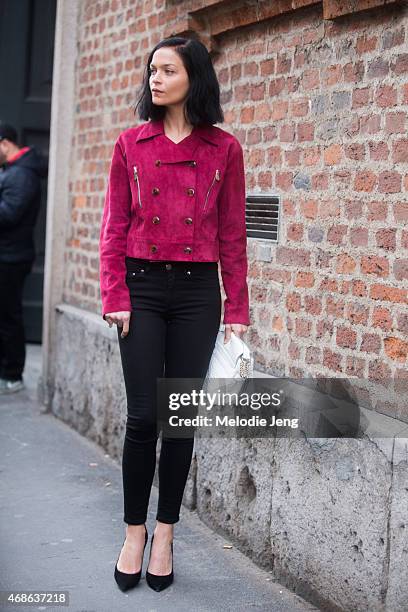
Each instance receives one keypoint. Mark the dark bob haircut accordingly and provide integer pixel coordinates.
(202, 104)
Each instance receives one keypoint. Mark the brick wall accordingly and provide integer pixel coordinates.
(319, 106)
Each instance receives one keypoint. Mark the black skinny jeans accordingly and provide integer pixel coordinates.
(12, 333)
(176, 311)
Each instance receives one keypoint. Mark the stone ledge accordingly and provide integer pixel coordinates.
(211, 18)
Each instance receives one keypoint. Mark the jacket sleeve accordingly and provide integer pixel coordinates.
(19, 189)
(113, 236)
(233, 239)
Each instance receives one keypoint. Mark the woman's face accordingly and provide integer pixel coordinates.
(169, 76)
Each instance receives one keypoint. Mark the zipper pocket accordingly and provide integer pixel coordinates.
(136, 177)
(216, 178)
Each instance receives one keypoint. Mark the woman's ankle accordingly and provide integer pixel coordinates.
(164, 529)
(135, 530)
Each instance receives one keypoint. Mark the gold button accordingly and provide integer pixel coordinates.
(188, 220)
(155, 190)
(187, 250)
(158, 162)
(153, 248)
(156, 219)
(190, 191)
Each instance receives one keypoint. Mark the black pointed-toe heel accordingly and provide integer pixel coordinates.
(158, 583)
(127, 581)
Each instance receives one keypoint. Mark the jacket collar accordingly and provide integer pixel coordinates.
(154, 128)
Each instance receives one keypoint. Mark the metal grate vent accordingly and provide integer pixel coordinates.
(262, 217)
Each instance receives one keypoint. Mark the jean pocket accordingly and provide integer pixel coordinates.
(205, 277)
(136, 272)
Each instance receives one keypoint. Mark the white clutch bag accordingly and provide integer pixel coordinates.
(232, 360)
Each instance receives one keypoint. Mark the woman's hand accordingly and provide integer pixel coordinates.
(121, 319)
(237, 328)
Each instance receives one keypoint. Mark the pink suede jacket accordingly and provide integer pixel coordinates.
(168, 201)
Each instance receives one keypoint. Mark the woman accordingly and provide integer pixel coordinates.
(174, 207)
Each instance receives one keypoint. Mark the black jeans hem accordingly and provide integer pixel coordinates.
(167, 520)
(133, 522)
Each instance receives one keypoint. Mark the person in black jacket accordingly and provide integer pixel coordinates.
(20, 198)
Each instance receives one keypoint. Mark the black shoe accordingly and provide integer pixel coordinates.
(127, 581)
(158, 583)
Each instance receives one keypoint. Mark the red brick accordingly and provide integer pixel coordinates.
(294, 351)
(328, 284)
(386, 238)
(345, 264)
(360, 97)
(313, 355)
(336, 234)
(312, 304)
(404, 239)
(355, 151)
(386, 96)
(365, 180)
(304, 279)
(310, 79)
(267, 67)
(359, 288)
(276, 86)
(388, 294)
(324, 328)
(293, 302)
(370, 343)
(382, 318)
(359, 236)
(400, 66)
(346, 337)
(377, 211)
(353, 72)
(303, 327)
(334, 307)
(395, 123)
(279, 110)
(277, 323)
(365, 44)
(331, 360)
(389, 182)
(287, 133)
(299, 108)
(309, 209)
(258, 293)
(292, 256)
(372, 264)
(402, 322)
(305, 132)
(400, 211)
(247, 114)
(378, 151)
(396, 349)
(400, 150)
(332, 75)
(295, 231)
(400, 269)
(357, 313)
(262, 112)
(379, 371)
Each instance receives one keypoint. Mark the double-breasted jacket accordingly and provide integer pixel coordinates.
(179, 202)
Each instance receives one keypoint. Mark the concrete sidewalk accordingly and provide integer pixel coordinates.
(62, 528)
